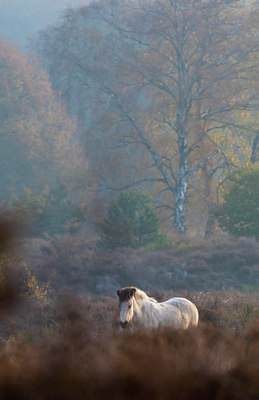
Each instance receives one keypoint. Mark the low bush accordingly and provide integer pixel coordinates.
(208, 362)
(63, 347)
(79, 264)
(160, 242)
(71, 348)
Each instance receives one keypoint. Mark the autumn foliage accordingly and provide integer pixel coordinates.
(167, 87)
(158, 95)
(40, 157)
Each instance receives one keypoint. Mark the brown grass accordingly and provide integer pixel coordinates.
(205, 363)
(98, 315)
(68, 346)
(191, 265)
(72, 348)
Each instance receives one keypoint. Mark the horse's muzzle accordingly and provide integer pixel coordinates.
(124, 324)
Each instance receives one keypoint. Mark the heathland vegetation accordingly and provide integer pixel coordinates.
(128, 154)
(60, 336)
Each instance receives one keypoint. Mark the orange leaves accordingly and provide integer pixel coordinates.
(36, 133)
(32, 287)
(28, 106)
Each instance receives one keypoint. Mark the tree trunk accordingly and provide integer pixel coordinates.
(180, 198)
(254, 149)
(181, 186)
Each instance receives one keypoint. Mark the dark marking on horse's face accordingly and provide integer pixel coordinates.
(126, 296)
(126, 293)
(124, 324)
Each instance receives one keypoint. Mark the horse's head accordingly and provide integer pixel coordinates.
(126, 297)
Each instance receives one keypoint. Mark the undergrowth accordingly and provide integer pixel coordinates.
(68, 346)
(195, 265)
(73, 349)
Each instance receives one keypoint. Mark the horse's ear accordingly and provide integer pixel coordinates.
(133, 291)
(118, 293)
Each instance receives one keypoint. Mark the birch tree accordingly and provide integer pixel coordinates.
(162, 76)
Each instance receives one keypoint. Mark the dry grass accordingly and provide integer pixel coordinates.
(72, 349)
(197, 265)
(35, 318)
(206, 363)
(67, 347)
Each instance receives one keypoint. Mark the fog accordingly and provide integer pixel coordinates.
(128, 158)
(96, 101)
(20, 19)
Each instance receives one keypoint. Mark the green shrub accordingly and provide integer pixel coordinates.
(239, 212)
(131, 221)
(48, 212)
(160, 242)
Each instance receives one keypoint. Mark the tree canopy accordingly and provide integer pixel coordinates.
(37, 143)
(239, 212)
(163, 90)
(131, 221)
(35, 132)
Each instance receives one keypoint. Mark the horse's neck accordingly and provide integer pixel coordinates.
(143, 309)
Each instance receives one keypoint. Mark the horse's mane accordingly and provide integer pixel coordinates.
(127, 292)
(148, 312)
(143, 296)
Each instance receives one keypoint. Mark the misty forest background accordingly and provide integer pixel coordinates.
(129, 144)
(129, 156)
(131, 125)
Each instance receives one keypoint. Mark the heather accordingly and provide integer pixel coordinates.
(129, 150)
(73, 349)
(60, 335)
(191, 264)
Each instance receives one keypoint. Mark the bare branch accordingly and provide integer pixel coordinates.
(201, 163)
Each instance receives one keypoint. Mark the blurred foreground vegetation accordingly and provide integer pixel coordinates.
(162, 98)
(57, 343)
(72, 349)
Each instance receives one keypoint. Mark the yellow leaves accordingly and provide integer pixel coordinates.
(219, 138)
(35, 126)
(234, 158)
(32, 287)
(158, 129)
(245, 114)
(235, 145)
(35, 113)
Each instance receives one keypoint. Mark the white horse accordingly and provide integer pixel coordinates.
(138, 310)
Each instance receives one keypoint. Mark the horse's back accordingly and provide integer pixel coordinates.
(188, 309)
